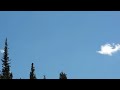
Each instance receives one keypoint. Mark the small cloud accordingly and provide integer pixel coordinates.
(1, 51)
(109, 49)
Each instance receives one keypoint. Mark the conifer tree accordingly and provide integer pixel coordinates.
(44, 77)
(32, 73)
(6, 74)
(11, 75)
(63, 76)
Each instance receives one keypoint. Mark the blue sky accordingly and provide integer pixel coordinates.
(58, 41)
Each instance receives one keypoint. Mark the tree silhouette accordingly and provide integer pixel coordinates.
(11, 75)
(32, 73)
(6, 74)
(44, 77)
(63, 76)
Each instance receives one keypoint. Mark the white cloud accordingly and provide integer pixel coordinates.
(1, 51)
(109, 49)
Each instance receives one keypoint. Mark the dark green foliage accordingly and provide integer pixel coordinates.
(32, 73)
(6, 74)
(63, 76)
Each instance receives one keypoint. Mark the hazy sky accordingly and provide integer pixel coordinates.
(83, 44)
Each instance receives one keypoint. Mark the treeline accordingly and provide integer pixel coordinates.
(6, 73)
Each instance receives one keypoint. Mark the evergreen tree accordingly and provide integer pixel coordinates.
(63, 76)
(6, 74)
(44, 77)
(11, 75)
(32, 73)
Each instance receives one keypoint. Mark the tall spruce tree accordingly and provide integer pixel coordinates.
(6, 74)
(32, 73)
(63, 76)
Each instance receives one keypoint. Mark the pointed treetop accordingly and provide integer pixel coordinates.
(32, 72)
(11, 75)
(6, 41)
(44, 77)
(32, 64)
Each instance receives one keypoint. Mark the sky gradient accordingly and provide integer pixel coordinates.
(58, 41)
